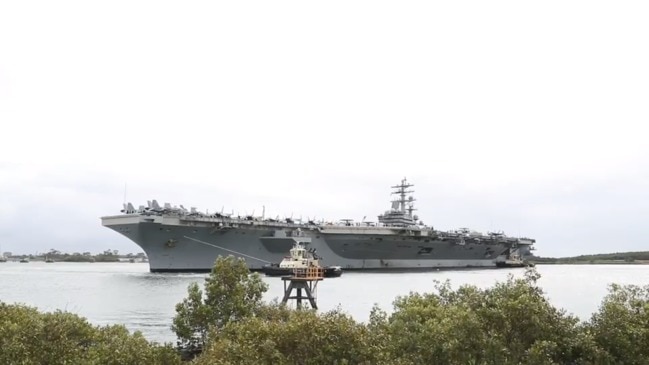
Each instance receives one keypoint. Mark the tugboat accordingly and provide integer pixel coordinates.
(514, 260)
(300, 258)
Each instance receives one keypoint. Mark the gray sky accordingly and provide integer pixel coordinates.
(526, 117)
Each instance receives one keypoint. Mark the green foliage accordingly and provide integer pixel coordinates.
(75, 258)
(105, 258)
(510, 323)
(116, 346)
(292, 337)
(231, 294)
(621, 326)
(29, 337)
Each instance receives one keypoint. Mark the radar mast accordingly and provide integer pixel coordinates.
(403, 203)
(402, 208)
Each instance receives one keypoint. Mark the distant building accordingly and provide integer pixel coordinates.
(7, 254)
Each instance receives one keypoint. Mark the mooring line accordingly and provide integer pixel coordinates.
(225, 249)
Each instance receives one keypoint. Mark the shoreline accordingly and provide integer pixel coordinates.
(595, 262)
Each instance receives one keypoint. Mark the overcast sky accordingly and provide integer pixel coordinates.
(525, 117)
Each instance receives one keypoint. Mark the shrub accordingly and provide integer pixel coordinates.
(30, 337)
(231, 294)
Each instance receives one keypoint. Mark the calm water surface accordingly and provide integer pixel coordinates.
(126, 293)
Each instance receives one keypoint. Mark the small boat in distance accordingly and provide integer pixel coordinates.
(300, 258)
(49, 260)
(24, 260)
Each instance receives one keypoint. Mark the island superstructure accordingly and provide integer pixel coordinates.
(179, 240)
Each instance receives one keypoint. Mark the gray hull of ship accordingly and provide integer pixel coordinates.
(174, 245)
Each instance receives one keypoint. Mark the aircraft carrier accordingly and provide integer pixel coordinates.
(179, 240)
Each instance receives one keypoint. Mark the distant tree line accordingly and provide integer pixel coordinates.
(105, 256)
(617, 257)
(226, 322)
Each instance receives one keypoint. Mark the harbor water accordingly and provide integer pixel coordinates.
(126, 293)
